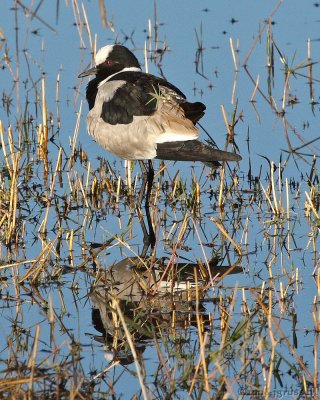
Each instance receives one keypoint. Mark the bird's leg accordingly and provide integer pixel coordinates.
(147, 180)
(146, 235)
(150, 176)
(144, 180)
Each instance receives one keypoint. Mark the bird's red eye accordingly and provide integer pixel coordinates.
(109, 63)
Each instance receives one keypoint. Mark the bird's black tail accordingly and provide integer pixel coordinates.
(194, 150)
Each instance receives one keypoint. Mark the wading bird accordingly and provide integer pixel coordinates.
(139, 116)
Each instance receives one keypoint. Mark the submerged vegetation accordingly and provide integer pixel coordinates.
(227, 304)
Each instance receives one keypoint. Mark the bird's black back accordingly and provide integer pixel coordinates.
(138, 97)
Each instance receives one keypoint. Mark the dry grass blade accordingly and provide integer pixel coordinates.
(312, 205)
(103, 14)
(33, 357)
(8, 383)
(3, 145)
(202, 340)
(255, 89)
(234, 244)
(133, 350)
(41, 259)
(87, 27)
(235, 63)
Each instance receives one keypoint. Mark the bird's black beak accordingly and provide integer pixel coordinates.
(90, 71)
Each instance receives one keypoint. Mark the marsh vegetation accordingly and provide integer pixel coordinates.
(226, 305)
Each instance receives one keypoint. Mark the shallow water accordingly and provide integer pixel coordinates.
(72, 219)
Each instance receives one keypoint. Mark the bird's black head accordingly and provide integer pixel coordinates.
(110, 60)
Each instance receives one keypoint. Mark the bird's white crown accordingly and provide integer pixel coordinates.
(103, 54)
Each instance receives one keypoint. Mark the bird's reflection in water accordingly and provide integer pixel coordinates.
(153, 297)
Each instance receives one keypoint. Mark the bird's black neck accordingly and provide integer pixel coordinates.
(91, 92)
(92, 87)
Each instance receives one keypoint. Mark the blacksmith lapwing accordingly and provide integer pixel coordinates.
(139, 116)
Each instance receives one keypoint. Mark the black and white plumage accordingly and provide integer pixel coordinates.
(138, 116)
